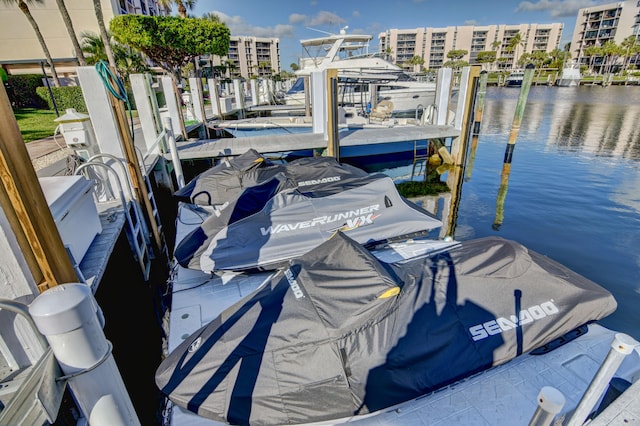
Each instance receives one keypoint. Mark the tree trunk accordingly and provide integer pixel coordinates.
(103, 33)
(72, 33)
(25, 9)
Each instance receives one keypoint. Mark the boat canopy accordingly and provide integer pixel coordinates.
(338, 333)
(294, 221)
(331, 39)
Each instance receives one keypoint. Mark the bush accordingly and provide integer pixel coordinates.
(66, 97)
(22, 90)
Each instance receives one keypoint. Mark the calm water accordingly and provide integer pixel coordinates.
(574, 188)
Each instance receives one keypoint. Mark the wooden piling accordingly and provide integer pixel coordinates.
(26, 207)
(333, 143)
(511, 144)
(477, 122)
(131, 158)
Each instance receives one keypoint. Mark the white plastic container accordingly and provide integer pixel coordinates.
(73, 208)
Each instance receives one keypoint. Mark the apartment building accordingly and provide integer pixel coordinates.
(252, 56)
(599, 24)
(433, 44)
(20, 50)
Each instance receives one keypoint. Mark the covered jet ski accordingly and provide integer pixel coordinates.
(227, 179)
(339, 334)
(368, 209)
(323, 176)
(224, 182)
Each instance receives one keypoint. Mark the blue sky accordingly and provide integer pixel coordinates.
(290, 20)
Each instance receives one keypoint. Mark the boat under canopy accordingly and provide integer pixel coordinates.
(291, 222)
(339, 334)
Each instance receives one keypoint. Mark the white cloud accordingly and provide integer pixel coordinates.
(558, 8)
(355, 14)
(471, 22)
(239, 27)
(326, 18)
(297, 18)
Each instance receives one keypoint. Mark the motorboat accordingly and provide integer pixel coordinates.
(514, 79)
(339, 335)
(570, 76)
(358, 71)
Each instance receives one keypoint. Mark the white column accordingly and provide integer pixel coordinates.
(443, 95)
(318, 83)
(68, 316)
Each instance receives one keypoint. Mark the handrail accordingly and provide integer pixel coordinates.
(160, 137)
(119, 161)
(109, 168)
(22, 309)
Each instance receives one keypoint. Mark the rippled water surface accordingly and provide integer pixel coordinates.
(573, 191)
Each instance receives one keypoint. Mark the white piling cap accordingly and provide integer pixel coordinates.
(624, 343)
(551, 400)
(63, 308)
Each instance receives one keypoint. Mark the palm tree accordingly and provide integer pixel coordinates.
(514, 43)
(388, 52)
(182, 5)
(630, 47)
(23, 6)
(72, 33)
(103, 33)
(592, 52)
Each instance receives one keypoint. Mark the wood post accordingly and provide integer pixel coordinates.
(333, 143)
(26, 208)
(131, 158)
(511, 144)
(477, 121)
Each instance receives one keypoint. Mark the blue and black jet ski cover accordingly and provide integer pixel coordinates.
(338, 334)
(368, 209)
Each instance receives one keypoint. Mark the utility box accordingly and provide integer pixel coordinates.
(74, 211)
(78, 133)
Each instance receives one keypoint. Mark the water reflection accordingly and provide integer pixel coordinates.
(588, 119)
(573, 190)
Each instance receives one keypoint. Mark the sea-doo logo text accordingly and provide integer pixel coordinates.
(499, 325)
(352, 219)
(319, 181)
(297, 291)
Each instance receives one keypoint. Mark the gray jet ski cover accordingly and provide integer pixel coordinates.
(338, 333)
(292, 223)
(227, 180)
(314, 176)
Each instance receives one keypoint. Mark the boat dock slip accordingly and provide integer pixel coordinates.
(370, 137)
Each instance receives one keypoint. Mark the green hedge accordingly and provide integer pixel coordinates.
(66, 97)
(22, 90)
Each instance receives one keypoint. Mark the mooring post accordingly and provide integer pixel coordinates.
(621, 346)
(550, 402)
(70, 319)
(333, 143)
(214, 96)
(171, 142)
(511, 144)
(307, 96)
(477, 121)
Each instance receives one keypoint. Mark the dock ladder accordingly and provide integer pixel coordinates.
(420, 157)
(152, 201)
(136, 228)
